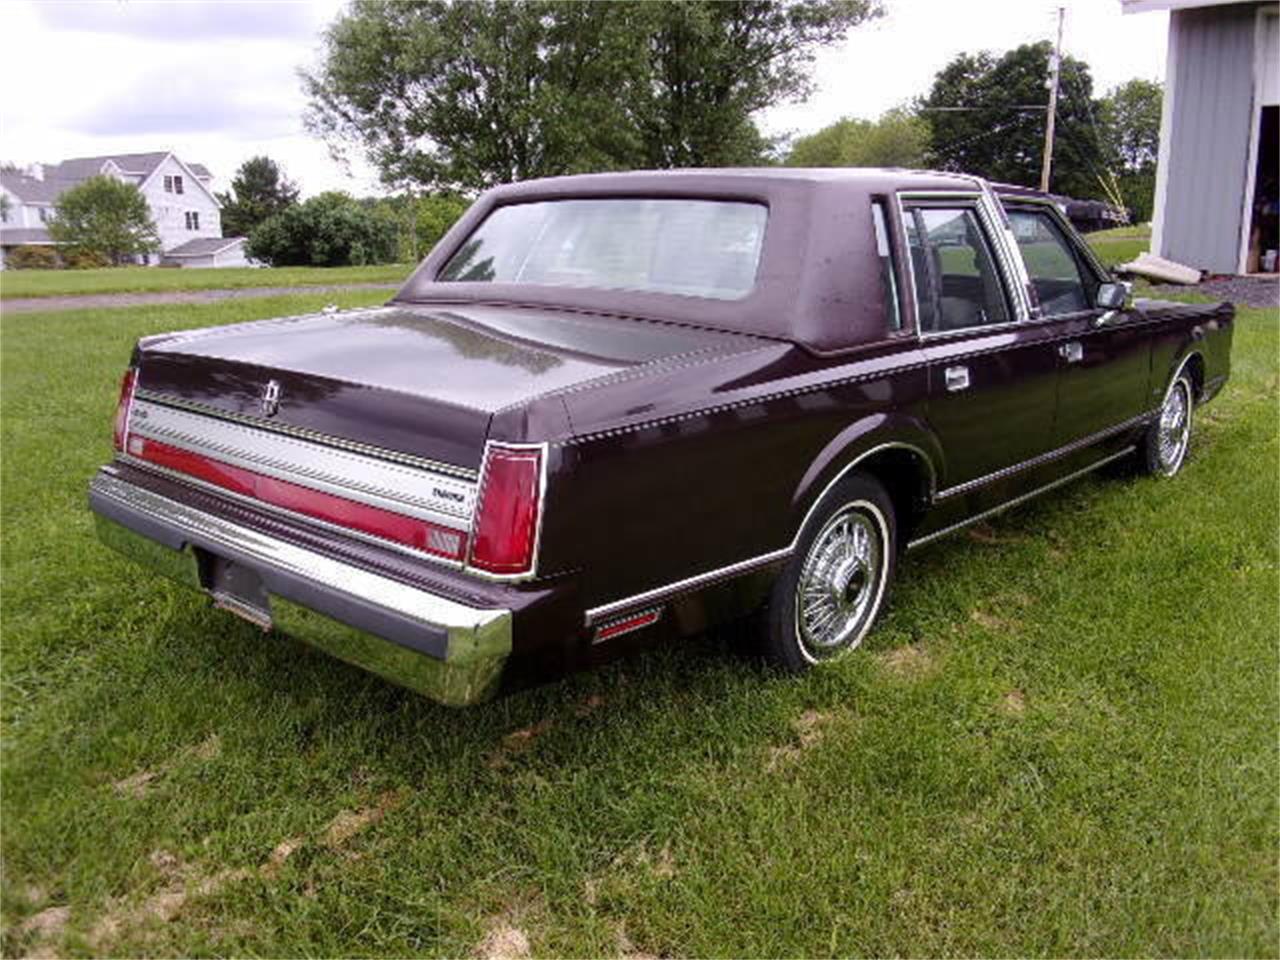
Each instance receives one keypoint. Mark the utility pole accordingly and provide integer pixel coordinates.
(1055, 70)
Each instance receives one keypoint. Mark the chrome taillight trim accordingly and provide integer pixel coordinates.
(287, 514)
(532, 572)
(444, 500)
(314, 436)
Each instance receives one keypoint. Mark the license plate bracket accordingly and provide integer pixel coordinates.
(236, 589)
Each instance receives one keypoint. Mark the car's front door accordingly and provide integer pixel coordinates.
(991, 377)
(1104, 356)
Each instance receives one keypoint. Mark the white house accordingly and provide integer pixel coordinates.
(186, 213)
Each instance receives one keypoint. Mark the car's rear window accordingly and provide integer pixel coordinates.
(697, 248)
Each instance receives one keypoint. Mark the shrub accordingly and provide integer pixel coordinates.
(79, 259)
(329, 230)
(33, 257)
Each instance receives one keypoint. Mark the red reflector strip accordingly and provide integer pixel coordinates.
(627, 624)
(419, 534)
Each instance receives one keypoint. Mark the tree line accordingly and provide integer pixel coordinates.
(439, 95)
(446, 99)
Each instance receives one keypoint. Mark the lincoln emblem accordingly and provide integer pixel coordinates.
(270, 398)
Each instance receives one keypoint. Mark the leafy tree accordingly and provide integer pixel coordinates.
(103, 218)
(999, 133)
(1130, 116)
(466, 95)
(329, 230)
(259, 190)
(899, 138)
(419, 221)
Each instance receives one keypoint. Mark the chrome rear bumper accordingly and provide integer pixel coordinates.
(446, 650)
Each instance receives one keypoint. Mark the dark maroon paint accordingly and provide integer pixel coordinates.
(688, 435)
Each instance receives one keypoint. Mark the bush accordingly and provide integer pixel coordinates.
(77, 259)
(32, 257)
(329, 230)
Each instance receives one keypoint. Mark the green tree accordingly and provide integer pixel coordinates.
(259, 190)
(329, 230)
(899, 138)
(462, 96)
(103, 218)
(998, 130)
(1130, 118)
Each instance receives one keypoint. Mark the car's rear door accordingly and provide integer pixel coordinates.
(1103, 356)
(991, 375)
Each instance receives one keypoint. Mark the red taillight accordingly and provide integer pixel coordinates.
(506, 527)
(410, 531)
(120, 434)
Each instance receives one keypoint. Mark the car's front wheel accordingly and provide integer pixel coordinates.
(837, 580)
(1164, 445)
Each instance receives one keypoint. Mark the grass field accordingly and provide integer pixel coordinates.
(63, 283)
(1121, 244)
(1062, 740)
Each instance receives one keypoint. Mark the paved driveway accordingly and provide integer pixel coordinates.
(91, 301)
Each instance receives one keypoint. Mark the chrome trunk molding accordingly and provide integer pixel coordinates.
(413, 491)
(302, 433)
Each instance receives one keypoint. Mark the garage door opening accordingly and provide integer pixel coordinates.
(1264, 228)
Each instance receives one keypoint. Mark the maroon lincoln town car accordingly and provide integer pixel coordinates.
(611, 407)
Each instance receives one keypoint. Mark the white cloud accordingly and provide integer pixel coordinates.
(891, 60)
(217, 82)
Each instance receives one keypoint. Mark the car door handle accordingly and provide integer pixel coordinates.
(957, 378)
(1072, 352)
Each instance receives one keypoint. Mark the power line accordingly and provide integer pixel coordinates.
(1015, 106)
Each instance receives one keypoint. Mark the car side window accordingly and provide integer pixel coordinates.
(887, 276)
(957, 283)
(1060, 284)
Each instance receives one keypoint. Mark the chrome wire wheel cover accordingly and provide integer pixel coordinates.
(841, 582)
(1174, 430)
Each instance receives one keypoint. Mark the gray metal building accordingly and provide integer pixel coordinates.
(1216, 182)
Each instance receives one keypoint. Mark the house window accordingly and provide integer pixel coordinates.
(193, 220)
(44, 214)
(168, 184)
(177, 184)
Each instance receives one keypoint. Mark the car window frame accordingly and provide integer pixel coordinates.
(752, 291)
(907, 202)
(1080, 250)
(1086, 261)
(896, 306)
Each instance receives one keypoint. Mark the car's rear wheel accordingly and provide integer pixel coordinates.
(1164, 445)
(837, 580)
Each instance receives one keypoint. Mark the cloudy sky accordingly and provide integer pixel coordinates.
(216, 80)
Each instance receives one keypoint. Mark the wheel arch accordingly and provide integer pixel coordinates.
(1192, 361)
(901, 453)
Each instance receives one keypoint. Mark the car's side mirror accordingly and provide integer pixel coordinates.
(1114, 295)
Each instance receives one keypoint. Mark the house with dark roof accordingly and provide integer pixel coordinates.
(186, 213)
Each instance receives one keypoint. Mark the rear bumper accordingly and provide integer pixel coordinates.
(449, 651)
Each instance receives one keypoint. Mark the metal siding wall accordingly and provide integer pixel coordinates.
(1209, 148)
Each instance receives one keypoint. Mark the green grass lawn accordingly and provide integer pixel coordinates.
(1062, 740)
(61, 283)
(1121, 244)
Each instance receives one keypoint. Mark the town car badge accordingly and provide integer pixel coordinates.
(270, 401)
